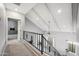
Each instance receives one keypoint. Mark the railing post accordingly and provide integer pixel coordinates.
(23, 34)
(49, 49)
(42, 47)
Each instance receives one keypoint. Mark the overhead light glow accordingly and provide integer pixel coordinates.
(59, 10)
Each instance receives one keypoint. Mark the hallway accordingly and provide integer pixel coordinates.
(16, 48)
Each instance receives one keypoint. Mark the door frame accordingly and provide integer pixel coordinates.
(18, 27)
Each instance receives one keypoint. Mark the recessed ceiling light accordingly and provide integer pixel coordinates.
(59, 10)
(16, 9)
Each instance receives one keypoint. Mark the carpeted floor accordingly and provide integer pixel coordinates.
(16, 48)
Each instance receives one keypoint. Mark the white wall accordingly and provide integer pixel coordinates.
(29, 26)
(60, 40)
(77, 30)
(23, 25)
(20, 17)
(2, 26)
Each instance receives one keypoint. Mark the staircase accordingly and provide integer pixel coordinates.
(40, 43)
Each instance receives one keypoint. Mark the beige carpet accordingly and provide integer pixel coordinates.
(16, 48)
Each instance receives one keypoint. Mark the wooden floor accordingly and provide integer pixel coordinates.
(16, 48)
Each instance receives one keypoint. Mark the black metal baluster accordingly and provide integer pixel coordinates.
(42, 45)
(45, 46)
(23, 34)
(49, 48)
(35, 40)
(38, 42)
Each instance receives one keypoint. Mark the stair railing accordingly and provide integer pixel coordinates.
(40, 43)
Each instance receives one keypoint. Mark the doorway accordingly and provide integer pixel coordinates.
(12, 29)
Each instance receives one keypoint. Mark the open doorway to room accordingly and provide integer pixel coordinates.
(12, 29)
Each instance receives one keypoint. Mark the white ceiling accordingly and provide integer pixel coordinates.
(35, 19)
(23, 8)
(62, 13)
(59, 15)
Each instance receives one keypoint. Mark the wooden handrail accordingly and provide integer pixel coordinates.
(33, 33)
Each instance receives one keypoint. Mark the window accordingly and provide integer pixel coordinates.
(71, 47)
